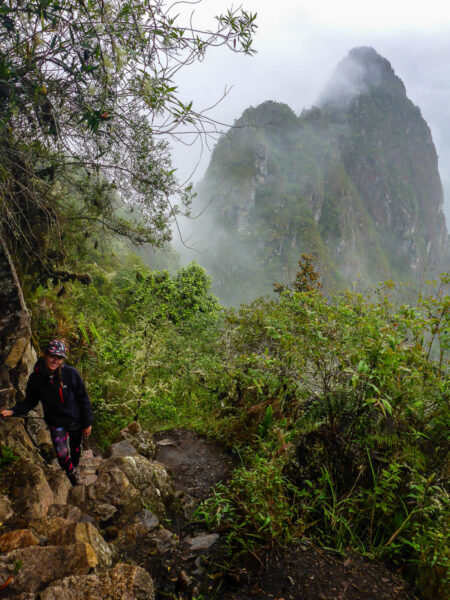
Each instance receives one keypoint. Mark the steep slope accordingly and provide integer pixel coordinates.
(354, 181)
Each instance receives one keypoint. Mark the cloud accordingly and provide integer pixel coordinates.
(299, 47)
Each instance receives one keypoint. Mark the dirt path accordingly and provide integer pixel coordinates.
(195, 462)
(308, 573)
(301, 572)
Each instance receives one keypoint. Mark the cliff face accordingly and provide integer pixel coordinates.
(354, 181)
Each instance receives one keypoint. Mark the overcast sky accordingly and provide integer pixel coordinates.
(298, 46)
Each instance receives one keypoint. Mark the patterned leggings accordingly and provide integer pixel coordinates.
(62, 441)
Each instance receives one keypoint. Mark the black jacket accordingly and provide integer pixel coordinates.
(65, 401)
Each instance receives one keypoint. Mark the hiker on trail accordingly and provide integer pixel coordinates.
(67, 408)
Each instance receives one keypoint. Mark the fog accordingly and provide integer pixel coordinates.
(298, 47)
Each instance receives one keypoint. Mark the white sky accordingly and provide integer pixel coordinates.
(300, 43)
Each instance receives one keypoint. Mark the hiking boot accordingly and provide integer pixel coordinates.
(74, 477)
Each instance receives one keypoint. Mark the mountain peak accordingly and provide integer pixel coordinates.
(361, 72)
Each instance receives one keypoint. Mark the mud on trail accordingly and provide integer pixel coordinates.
(196, 463)
(304, 572)
(300, 572)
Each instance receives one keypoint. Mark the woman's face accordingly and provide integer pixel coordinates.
(52, 362)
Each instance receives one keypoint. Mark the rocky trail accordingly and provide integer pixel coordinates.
(127, 532)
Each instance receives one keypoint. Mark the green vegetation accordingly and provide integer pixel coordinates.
(343, 423)
(87, 104)
(7, 456)
(338, 410)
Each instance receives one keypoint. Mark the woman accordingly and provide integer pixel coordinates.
(67, 408)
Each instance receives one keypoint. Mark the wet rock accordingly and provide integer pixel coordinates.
(86, 532)
(6, 511)
(144, 522)
(41, 565)
(39, 434)
(150, 478)
(61, 532)
(30, 494)
(19, 538)
(123, 582)
(59, 484)
(111, 496)
(89, 465)
(123, 448)
(65, 511)
(14, 435)
(202, 542)
(147, 519)
(17, 351)
(165, 442)
(141, 440)
(164, 540)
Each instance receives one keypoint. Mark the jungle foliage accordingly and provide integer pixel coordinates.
(338, 410)
(88, 101)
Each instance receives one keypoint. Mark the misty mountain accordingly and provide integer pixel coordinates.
(353, 181)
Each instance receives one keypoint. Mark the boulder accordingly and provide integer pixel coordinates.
(66, 511)
(15, 331)
(14, 435)
(19, 538)
(111, 496)
(123, 448)
(39, 433)
(49, 529)
(61, 532)
(140, 439)
(59, 484)
(150, 478)
(6, 511)
(147, 519)
(29, 491)
(36, 566)
(202, 543)
(123, 582)
(144, 522)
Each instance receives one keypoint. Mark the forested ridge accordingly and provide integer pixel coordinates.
(353, 180)
(334, 409)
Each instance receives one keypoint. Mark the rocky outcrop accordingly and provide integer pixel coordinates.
(110, 498)
(16, 353)
(28, 489)
(353, 181)
(136, 437)
(50, 546)
(53, 548)
(62, 532)
(33, 567)
(150, 478)
(123, 582)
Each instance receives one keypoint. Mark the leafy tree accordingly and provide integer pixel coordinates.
(341, 410)
(87, 101)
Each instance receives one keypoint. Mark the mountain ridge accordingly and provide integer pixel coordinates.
(353, 181)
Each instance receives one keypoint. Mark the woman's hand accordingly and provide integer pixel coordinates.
(87, 431)
(6, 413)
